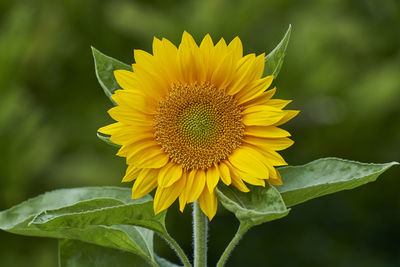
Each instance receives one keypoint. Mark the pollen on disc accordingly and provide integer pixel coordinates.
(198, 125)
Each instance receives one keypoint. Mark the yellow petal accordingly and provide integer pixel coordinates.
(242, 69)
(127, 80)
(225, 174)
(250, 69)
(149, 157)
(152, 81)
(266, 131)
(169, 174)
(261, 115)
(218, 53)
(189, 59)
(165, 53)
(277, 180)
(188, 41)
(111, 128)
(142, 84)
(155, 161)
(278, 103)
(212, 178)
(125, 134)
(269, 143)
(223, 74)
(261, 99)
(236, 180)
(130, 174)
(289, 114)
(125, 115)
(135, 148)
(198, 184)
(250, 161)
(236, 48)
(135, 101)
(208, 203)
(145, 183)
(206, 48)
(165, 196)
(131, 135)
(246, 177)
(268, 156)
(142, 57)
(183, 195)
(253, 90)
(275, 177)
(274, 158)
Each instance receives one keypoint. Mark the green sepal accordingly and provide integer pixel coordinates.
(274, 60)
(105, 67)
(106, 138)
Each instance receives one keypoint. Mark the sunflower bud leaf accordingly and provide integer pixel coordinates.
(326, 176)
(105, 67)
(260, 205)
(274, 60)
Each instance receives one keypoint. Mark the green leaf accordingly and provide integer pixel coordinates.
(73, 253)
(105, 216)
(326, 176)
(260, 205)
(274, 60)
(82, 214)
(105, 67)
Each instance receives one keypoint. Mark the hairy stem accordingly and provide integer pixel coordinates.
(179, 251)
(200, 230)
(235, 240)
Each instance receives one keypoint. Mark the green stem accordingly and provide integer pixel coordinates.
(243, 227)
(179, 251)
(200, 229)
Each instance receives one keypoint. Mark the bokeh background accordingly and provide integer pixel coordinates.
(342, 69)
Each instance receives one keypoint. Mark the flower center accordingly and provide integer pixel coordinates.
(198, 125)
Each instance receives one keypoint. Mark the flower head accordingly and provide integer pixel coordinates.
(190, 116)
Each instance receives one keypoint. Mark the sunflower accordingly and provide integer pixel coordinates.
(190, 116)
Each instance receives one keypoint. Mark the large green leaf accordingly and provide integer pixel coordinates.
(105, 67)
(274, 60)
(73, 253)
(101, 212)
(326, 176)
(260, 205)
(105, 216)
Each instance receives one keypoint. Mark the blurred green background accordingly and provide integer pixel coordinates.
(342, 69)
